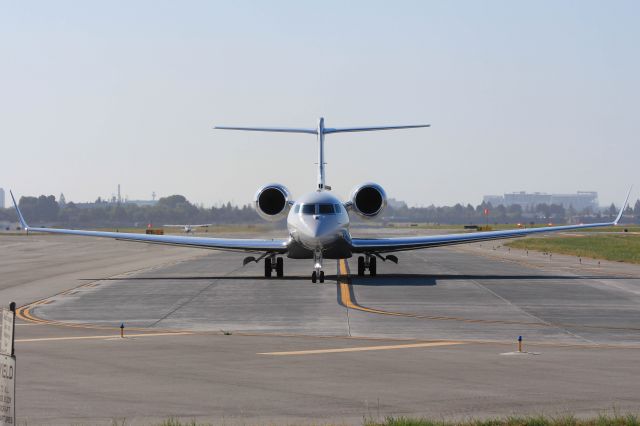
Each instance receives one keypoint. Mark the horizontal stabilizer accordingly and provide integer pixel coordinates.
(321, 129)
(320, 132)
(268, 129)
(371, 129)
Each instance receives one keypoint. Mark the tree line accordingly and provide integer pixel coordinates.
(513, 214)
(176, 209)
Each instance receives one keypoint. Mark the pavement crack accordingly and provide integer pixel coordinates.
(524, 311)
(192, 298)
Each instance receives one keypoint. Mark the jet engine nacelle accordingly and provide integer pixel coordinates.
(368, 200)
(272, 202)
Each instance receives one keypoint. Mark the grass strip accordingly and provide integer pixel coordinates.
(602, 420)
(619, 247)
(568, 420)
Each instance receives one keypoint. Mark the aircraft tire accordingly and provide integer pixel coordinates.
(280, 267)
(361, 266)
(373, 270)
(267, 268)
(313, 277)
(321, 276)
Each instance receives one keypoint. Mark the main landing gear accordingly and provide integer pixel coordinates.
(273, 263)
(318, 273)
(367, 262)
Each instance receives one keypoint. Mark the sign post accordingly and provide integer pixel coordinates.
(7, 367)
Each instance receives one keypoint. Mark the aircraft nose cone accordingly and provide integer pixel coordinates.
(319, 228)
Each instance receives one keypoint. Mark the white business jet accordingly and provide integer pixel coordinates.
(188, 229)
(318, 222)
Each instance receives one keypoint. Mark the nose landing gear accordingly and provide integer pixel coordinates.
(367, 262)
(318, 273)
(317, 276)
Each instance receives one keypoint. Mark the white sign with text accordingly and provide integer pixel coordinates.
(6, 332)
(7, 390)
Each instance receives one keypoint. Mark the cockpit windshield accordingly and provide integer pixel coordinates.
(325, 209)
(308, 209)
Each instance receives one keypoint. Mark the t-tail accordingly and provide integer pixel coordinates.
(320, 131)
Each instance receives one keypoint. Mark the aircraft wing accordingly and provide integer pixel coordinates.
(202, 225)
(386, 245)
(229, 244)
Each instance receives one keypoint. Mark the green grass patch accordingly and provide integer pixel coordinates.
(569, 420)
(619, 228)
(602, 420)
(623, 247)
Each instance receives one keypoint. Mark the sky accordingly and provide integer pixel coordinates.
(521, 96)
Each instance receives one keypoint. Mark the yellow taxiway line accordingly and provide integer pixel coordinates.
(365, 348)
(348, 300)
(346, 291)
(106, 337)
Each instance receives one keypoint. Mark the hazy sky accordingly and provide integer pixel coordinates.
(535, 96)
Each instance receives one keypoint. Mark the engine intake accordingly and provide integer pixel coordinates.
(368, 200)
(272, 202)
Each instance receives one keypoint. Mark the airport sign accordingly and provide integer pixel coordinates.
(6, 333)
(7, 390)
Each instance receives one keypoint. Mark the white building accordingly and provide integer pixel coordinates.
(579, 201)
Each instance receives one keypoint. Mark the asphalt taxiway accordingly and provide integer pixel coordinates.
(206, 338)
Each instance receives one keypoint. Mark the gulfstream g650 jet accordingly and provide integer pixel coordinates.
(318, 222)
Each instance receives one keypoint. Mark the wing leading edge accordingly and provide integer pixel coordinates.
(228, 244)
(382, 245)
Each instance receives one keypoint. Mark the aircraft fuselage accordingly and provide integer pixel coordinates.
(318, 223)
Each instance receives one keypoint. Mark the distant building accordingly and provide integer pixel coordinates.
(579, 201)
(1, 198)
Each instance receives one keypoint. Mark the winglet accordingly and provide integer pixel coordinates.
(20, 217)
(624, 206)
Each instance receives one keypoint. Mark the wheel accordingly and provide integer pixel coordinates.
(267, 268)
(321, 276)
(313, 277)
(360, 266)
(280, 267)
(372, 267)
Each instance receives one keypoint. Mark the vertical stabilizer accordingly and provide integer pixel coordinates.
(320, 131)
(321, 163)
